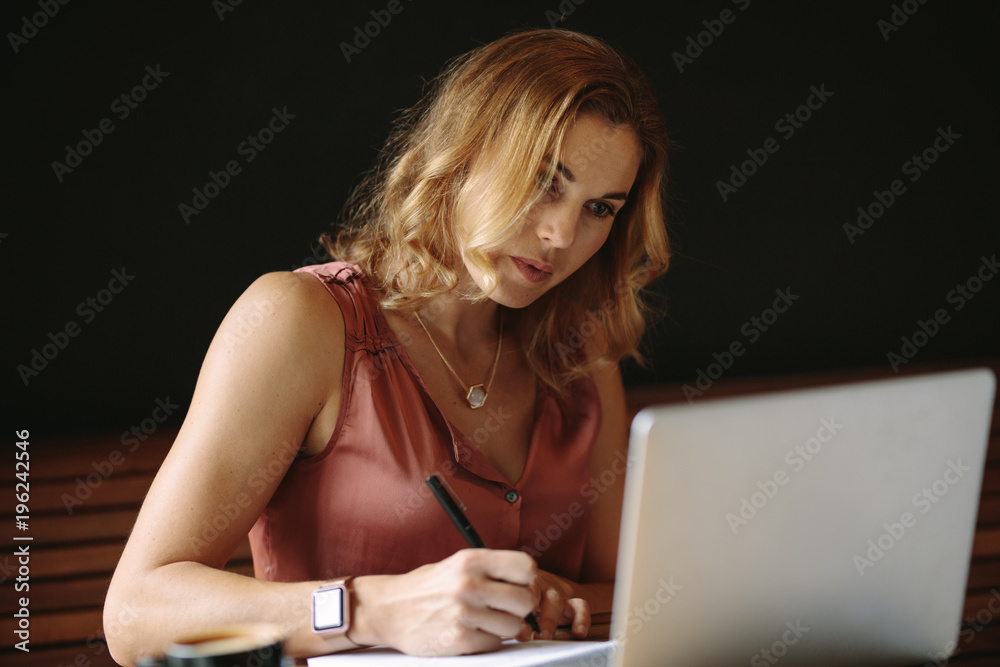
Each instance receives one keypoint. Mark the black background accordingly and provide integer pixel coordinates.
(783, 229)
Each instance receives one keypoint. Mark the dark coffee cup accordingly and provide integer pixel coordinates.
(252, 645)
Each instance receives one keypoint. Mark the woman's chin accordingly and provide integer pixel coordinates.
(514, 297)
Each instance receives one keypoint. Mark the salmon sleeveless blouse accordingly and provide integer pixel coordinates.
(361, 506)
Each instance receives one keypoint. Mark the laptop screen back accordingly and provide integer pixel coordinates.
(817, 526)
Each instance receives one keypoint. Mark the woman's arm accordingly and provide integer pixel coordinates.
(268, 387)
(607, 467)
(269, 371)
(595, 590)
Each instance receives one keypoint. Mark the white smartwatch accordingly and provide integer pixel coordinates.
(331, 608)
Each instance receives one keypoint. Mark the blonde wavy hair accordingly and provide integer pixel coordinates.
(499, 114)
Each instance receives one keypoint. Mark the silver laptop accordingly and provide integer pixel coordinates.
(818, 526)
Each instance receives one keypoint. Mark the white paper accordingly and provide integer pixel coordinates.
(511, 654)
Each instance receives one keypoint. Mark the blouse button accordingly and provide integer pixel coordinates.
(512, 496)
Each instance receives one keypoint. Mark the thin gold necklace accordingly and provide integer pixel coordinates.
(477, 393)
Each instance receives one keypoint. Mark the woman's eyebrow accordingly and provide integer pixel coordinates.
(568, 175)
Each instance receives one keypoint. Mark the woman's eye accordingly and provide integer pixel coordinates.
(601, 210)
(548, 187)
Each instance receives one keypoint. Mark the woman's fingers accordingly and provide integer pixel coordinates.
(466, 603)
(471, 601)
(580, 612)
(515, 567)
(557, 607)
(550, 612)
(515, 600)
(496, 623)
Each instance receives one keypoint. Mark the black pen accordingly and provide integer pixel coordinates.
(453, 506)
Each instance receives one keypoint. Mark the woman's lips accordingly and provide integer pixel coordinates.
(533, 271)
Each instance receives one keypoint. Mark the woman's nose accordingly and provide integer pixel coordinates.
(557, 224)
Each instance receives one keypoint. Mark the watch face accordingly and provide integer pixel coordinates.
(328, 609)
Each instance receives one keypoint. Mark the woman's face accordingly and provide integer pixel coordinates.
(574, 217)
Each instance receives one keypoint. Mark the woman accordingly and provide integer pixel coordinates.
(492, 276)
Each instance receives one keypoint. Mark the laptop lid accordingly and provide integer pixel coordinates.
(820, 526)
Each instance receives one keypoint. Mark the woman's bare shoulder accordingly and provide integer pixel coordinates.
(284, 332)
(297, 293)
(294, 307)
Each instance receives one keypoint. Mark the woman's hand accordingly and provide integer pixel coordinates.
(464, 604)
(558, 605)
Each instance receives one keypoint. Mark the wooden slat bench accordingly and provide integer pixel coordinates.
(79, 531)
(78, 528)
